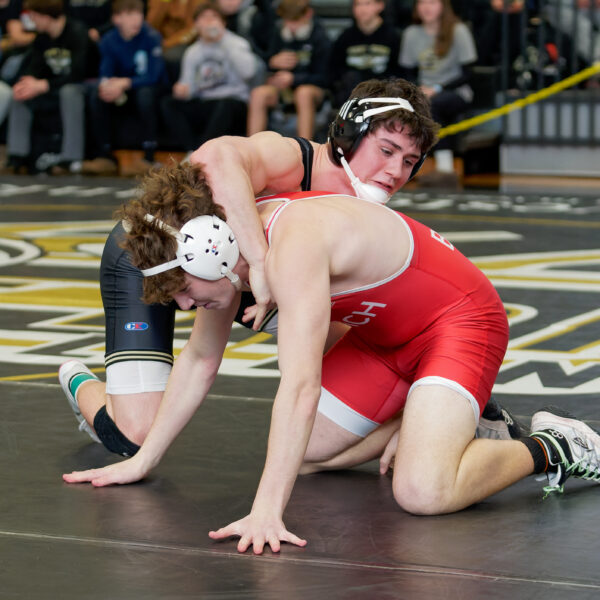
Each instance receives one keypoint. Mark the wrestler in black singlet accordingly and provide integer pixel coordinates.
(139, 331)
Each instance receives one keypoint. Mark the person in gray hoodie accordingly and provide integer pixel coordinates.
(210, 98)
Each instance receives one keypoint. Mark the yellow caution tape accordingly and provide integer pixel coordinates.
(531, 99)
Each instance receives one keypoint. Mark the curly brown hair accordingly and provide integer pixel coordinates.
(423, 129)
(174, 194)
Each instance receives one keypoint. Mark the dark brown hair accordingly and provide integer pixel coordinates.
(292, 10)
(423, 129)
(174, 194)
(120, 6)
(50, 8)
(208, 5)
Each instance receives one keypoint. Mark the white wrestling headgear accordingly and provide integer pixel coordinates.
(206, 248)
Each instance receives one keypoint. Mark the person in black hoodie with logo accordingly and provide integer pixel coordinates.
(50, 82)
(367, 49)
(298, 64)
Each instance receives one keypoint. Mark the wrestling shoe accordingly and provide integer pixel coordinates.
(572, 447)
(71, 375)
(496, 423)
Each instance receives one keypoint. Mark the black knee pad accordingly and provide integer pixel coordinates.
(111, 436)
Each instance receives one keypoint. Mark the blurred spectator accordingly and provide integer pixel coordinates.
(51, 83)
(298, 60)
(399, 13)
(581, 19)
(17, 36)
(210, 98)
(132, 72)
(253, 20)
(437, 53)
(488, 33)
(96, 16)
(5, 99)
(174, 20)
(5, 90)
(368, 49)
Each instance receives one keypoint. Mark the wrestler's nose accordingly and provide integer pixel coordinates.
(184, 301)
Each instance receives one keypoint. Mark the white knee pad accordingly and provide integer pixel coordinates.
(137, 376)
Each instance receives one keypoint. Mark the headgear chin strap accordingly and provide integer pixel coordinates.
(350, 126)
(206, 248)
(365, 191)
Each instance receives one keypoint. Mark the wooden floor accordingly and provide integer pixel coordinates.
(539, 244)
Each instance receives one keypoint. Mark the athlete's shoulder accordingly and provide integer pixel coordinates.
(270, 139)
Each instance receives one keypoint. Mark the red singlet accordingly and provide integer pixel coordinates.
(438, 320)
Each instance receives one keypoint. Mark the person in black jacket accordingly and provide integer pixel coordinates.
(368, 49)
(298, 63)
(51, 82)
(96, 16)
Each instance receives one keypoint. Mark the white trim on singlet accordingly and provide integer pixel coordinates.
(453, 385)
(341, 414)
(347, 418)
(287, 201)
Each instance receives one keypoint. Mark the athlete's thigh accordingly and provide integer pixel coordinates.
(328, 439)
(437, 425)
(134, 330)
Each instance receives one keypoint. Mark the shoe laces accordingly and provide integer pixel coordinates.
(586, 467)
(579, 469)
(584, 470)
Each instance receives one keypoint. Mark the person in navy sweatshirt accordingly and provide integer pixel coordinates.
(132, 70)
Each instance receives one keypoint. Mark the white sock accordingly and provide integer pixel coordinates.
(444, 161)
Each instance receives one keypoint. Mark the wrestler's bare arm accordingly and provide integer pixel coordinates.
(299, 276)
(272, 163)
(239, 169)
(193, 374)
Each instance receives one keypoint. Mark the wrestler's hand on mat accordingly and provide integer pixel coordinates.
(256, 532)
(262, 295)
(387, 458)
(128, 471)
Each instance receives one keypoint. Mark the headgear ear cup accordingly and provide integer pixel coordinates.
(206, 248)
(346, 132)
(417, 166)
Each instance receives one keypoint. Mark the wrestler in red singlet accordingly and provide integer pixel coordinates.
(438, 320)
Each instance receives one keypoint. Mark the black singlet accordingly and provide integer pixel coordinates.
(139, 331)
